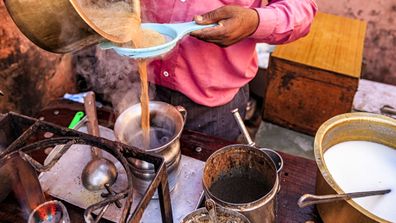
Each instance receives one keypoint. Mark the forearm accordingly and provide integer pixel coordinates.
(283, 21)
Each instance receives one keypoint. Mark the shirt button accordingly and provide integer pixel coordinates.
(166, 74)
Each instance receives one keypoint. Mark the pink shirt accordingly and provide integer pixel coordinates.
(211, 75)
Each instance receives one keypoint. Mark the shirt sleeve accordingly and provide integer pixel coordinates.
(283, 21)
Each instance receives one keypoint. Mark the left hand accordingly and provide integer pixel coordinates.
(234, 24)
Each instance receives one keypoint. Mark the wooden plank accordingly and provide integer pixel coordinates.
(334, 44)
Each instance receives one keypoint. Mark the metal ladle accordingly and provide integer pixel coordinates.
(99, 171)
(310, 199)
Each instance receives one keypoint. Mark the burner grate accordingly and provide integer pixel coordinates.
(26, 138)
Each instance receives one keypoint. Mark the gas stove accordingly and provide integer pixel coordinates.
(27, 138)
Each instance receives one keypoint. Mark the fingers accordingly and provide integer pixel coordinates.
(220, 35)
(212, 16)
(210, 32)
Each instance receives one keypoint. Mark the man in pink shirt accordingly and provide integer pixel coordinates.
(208, 71)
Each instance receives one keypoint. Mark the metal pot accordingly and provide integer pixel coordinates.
(244, 179)
(53, 25)
(348, 127)
(167, 122)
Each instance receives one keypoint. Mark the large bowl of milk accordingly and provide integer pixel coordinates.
(357, 152)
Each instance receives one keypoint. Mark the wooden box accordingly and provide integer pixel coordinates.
(316, 77)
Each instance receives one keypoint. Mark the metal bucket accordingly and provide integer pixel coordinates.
(166, 125)
(244, 179)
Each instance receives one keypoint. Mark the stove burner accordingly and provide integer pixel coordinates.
(49, 212)
(31, 139)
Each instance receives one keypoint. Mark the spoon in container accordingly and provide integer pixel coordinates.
(174, 32)
(310, 199)
(99, 171)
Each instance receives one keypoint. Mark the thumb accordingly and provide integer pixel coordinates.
(210, 17)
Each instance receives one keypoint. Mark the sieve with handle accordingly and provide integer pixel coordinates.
(175, 32)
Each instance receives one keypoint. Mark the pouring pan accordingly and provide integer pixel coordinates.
(54, 26)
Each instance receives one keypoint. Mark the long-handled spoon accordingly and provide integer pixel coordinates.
(310, 199)
(99, 171)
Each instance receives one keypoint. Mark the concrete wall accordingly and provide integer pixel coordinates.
(380, 44)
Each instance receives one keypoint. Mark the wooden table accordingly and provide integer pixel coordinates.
(297, 178)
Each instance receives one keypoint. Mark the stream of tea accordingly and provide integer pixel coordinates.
(122, 21)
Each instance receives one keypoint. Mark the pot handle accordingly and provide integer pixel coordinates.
(310, 199)
(210, 206)
(275, 157)
(183, 112)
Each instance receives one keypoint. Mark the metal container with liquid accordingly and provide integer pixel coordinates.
(348, 127)
(243, 178)
(166, 125)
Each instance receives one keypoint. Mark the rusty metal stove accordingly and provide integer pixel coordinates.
(21, 135)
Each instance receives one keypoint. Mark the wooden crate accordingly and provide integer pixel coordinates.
(316, 77)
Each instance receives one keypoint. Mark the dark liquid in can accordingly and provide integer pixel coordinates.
(240, 188)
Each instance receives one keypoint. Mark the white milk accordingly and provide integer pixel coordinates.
(363, 166)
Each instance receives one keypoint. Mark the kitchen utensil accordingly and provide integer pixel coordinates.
(166, 125)
(348, 127)
(310, 199)
(244, 179)
(99, 171)
(172, 32)
(76, 119)
(222, 215)
(211, 208)
(276, 157)
(49, 212)
(52, 25)
(388, 110)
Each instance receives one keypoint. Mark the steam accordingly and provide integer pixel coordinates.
(114, 77)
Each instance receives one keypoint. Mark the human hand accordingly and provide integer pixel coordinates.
(234, 24)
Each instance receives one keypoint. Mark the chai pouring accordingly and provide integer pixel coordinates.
(166, 125)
